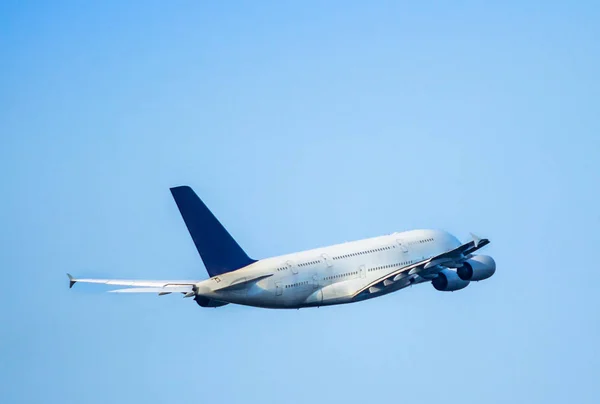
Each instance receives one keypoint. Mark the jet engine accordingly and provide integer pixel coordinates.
(449, 281)
(478, 268)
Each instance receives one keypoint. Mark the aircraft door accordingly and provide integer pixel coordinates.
(315, 281)
(402, 245)
(327, 260)
(278, 289)
(292, 267)
(362, 271)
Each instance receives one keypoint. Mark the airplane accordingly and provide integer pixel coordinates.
(339, 274)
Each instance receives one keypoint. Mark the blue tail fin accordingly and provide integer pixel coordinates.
(218, 250)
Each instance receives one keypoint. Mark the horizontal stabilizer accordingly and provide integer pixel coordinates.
(133, 283)
(173, 289)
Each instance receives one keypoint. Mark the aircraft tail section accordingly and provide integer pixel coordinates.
(218, 250)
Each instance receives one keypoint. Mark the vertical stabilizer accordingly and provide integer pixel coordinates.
(218, 250)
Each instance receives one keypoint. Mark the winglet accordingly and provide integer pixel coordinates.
(476, 239)
(72, 280)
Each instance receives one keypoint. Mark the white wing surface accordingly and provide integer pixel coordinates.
(140, 286)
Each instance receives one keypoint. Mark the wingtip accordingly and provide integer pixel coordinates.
(479, 241)
(72, 280)
(476, 239)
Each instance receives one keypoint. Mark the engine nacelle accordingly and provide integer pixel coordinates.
(449, 281)
(478, 268)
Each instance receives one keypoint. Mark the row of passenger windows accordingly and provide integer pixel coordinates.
(293, 285)
(356, 254)
(340, 275)
(309, 263)
(401, 264)
(415, 242)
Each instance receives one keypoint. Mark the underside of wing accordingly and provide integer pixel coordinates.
(459, 253)
(428, 268)
(399, 278)
(161, 291)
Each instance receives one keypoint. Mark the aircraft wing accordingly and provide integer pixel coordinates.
(429, 267)
(140, 286)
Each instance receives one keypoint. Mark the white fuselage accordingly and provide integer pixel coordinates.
(328, 275)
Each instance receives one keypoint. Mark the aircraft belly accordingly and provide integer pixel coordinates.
(337, 293)
(267, 294)
(304, 290)
(315, 299)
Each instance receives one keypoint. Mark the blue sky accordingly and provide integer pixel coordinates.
(301, 124)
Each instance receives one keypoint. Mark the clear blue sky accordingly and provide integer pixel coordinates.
(301, 124)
